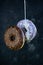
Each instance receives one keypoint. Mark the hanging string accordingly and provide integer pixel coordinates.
(24, 9)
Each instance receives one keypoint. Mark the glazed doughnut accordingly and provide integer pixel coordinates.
(28, 28)
(14, 38)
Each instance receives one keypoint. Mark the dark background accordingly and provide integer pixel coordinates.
(11, 11)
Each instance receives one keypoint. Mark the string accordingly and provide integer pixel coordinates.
(24, 9)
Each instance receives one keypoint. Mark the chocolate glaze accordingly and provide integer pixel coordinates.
(13, 38)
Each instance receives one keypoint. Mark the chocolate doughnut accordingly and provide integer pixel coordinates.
(14, 38)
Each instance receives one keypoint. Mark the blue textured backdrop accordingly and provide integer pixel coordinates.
(11, 11)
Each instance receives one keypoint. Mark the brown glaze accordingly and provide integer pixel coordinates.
(13, 38)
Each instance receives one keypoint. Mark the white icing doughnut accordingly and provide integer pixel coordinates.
(30, 28)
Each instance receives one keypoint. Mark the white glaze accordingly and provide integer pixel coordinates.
(30, 27)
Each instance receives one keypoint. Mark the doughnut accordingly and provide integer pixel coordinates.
(14, 38)
(28, 28)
